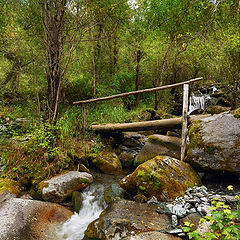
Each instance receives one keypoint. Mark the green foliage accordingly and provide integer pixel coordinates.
(224, 223)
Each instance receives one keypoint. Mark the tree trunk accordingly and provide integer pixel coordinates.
(53, 18)
(139, 56)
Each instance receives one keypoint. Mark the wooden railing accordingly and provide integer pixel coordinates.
(184, 112)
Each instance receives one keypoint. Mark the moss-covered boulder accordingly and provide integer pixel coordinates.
(108, 162)
(215, 109)
(215, 144)
(159, 145)
(10, 185)
(163, 177)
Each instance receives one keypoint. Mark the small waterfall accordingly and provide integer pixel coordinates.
(198, 101)
(92, 205)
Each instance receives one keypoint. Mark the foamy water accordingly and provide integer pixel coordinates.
(92, 206)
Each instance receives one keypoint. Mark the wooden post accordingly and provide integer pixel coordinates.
(83, 118)
(184, 120)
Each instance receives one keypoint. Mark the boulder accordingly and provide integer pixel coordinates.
(163, 177)
(123, 218)
(127, 159)
(58, 188)
(108, 162)
(159, 145)
(215, 144)
(113, 193)
(23, 219)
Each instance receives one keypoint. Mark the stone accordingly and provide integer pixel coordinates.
(113, 193)
(23, 219)
(58, 188)
(124, 217)
(215, 144)
(193, 218)
(152, 236)
(176, 210)
(163, 177)
(156, 146)
(126, 159)
(77, 201)
(174, 221)
(107, 162)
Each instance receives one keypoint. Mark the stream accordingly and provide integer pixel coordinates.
(92, 205)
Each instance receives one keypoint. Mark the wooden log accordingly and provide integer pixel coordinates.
(184, 120)
(138, 92)
(172, 123)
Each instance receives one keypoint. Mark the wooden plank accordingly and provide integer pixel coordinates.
(184, 120)
(172, 123)
(138, 92)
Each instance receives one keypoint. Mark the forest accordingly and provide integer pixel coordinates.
(54, 53)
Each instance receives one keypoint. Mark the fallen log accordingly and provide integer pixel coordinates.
(139, 126)
(171, 123)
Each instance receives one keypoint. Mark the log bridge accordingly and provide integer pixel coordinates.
(173, 123)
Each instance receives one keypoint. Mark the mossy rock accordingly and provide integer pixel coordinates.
(216, 109)
(108, 162)
(126, 159)
(237, 113)
(163, 177)
(10, 185)
(113, 193)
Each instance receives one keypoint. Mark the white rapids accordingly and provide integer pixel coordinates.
(92, 205)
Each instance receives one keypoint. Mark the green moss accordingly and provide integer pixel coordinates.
(215, 109)
(236, 113)
(142, 188)
(10, 185)
(237, 142)
(83, 180)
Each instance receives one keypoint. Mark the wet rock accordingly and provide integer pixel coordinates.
(113, 193)
(23, 219)
(153, 235)
(108, 162)
(215, 144)
(58, 188)
(163, 177)
(158, 145)
(77, 201)
(125, 217)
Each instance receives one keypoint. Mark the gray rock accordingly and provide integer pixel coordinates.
(218, 148)
(58, 188)
(174, 221)
(177, 210)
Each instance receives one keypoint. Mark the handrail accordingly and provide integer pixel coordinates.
(137, 92)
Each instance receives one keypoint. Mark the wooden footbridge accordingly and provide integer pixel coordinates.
(172, 123)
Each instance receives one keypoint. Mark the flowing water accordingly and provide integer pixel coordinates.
(92, 205)
(198, 101)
